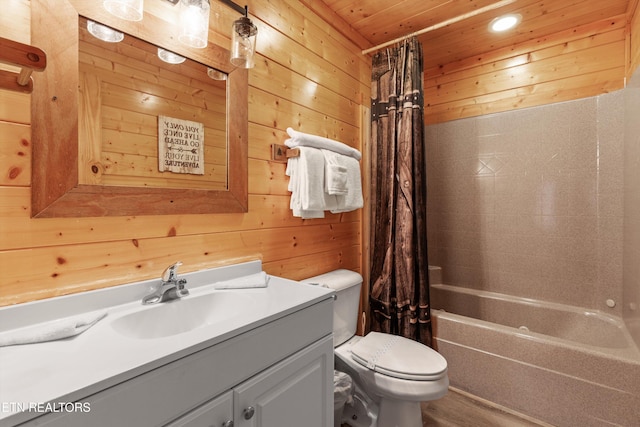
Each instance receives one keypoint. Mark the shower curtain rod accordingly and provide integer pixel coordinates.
(441, 24)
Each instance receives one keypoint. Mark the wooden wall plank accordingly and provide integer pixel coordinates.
(275, 80)
(15, 107)
(566, 36)
(311, 24)
(586, 61)
(273, 110)
(317, 263)
(66, 267)
(20, 232)
(15, 154)
(529, 96)
(534, 72)
(15, 23)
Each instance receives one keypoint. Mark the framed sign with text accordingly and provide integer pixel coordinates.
(180, 146)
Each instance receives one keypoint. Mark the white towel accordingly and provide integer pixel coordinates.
(300, 139)
(258, 280)
(50, 331)
(306, 214)
(306, 183)
(353, 199)
(335, 173)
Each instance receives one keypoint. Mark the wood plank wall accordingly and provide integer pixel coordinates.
(308, 76)
(580, 62)
(311, 77)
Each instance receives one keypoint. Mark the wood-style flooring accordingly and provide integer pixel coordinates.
(457, 409)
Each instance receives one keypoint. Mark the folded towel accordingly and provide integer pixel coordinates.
(306, 214)
(306, 183)
(50, 331)
(258, 280)
(311, 179)
(300, 139)
(353, 199)
(335, 173)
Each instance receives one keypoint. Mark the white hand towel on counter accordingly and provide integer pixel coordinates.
(52, 330)
(301, 139)
(258, 280)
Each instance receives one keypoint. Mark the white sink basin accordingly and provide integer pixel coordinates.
(184, 314)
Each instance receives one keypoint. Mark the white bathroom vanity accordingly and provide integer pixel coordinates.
(222, 358)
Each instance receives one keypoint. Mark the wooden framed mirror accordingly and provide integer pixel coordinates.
(75, 174)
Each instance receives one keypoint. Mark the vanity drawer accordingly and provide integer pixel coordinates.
(215, 413)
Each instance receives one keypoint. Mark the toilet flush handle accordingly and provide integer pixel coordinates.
(227, 423)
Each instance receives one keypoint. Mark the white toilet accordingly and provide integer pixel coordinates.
(392, 374)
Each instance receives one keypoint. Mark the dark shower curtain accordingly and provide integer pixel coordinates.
(399, 294)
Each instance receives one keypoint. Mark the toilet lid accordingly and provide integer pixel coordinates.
(399, 357)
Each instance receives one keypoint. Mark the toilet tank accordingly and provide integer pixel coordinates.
(347, 285)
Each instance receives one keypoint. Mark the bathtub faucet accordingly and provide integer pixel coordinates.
(170, 288)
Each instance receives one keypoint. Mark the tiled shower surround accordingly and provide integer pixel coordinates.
(542, 204)
(530, 203)
(631, 270)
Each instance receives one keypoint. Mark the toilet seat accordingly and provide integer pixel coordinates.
(399, 357)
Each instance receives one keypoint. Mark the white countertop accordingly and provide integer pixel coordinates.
(73, 368)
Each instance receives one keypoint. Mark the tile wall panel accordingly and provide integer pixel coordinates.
(529, 202)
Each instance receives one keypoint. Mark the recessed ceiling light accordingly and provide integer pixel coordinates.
(504, 23)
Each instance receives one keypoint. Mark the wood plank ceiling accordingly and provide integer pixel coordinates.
(379, 21)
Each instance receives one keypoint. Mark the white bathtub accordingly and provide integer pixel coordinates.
(560, 364)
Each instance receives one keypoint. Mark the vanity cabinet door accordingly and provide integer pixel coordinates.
(296, 392)
(215, 413)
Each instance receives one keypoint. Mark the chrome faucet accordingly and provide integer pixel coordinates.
(170, 288)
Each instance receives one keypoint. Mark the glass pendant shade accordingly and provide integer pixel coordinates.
(170, 57)
(194, 22)
(243, 43)
(131, 10)
(216, 74)
(104, 33)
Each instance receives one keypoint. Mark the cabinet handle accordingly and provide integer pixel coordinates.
(247, 413)
(227, 423)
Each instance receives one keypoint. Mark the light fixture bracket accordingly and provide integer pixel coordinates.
(242, 10)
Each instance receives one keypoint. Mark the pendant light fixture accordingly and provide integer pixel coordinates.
(194, 22)
(194, 26)
(243, 41)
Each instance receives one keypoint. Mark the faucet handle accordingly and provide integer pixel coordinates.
(171, 272)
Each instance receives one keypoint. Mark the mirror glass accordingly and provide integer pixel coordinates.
(158, 124)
